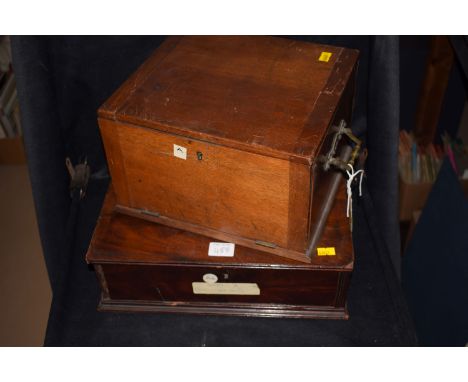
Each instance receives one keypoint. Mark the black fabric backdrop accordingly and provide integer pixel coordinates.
(435, 266)
(61, 83)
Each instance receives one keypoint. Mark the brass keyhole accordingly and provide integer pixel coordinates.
(199, 155)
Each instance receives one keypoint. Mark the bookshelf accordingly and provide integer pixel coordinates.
(11, 136)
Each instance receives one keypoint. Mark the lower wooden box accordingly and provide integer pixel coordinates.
(148, 267)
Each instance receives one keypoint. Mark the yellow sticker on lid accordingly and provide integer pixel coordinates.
(325, 56)
(328, 251)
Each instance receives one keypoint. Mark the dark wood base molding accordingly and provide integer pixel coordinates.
(227, 309)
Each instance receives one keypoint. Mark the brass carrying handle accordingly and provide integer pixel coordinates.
(330, 159)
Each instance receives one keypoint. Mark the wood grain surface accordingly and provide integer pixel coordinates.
(252, 113)
(145, 266)
(256, 93)
(120, 238)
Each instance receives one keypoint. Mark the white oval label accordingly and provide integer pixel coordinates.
(210, 278)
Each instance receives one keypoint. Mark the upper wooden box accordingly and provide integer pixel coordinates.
(221, 135)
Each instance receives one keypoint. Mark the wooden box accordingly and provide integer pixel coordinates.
(146, 266)
(221, 136)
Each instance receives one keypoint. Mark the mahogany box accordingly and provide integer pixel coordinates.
(224, 137)
(147, 266)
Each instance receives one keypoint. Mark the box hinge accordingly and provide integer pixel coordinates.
(265, 244)
(150, 213)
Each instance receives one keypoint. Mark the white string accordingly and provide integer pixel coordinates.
(351, 175)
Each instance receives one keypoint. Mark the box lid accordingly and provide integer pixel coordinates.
(269, 95)
(124, 239)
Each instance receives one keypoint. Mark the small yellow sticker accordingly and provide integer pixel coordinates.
(328, 251)
(325, 56)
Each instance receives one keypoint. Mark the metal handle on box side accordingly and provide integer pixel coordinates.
(330, 159)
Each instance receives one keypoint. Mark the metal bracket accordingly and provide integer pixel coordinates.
(330, 159)
(79, 177)
(150, 213)
(265, 244)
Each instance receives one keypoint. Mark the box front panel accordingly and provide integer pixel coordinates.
(239, 285)
(212, 186)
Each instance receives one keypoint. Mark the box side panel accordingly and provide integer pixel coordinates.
(344, 279)
(300, 188)
(212, 186)
(324, 182)
(115, 162)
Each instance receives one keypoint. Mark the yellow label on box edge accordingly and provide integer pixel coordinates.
(326, 251)
(325, 56)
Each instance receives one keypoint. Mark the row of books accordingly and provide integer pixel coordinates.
(418, 164)
(10, 124)
(457, 153)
